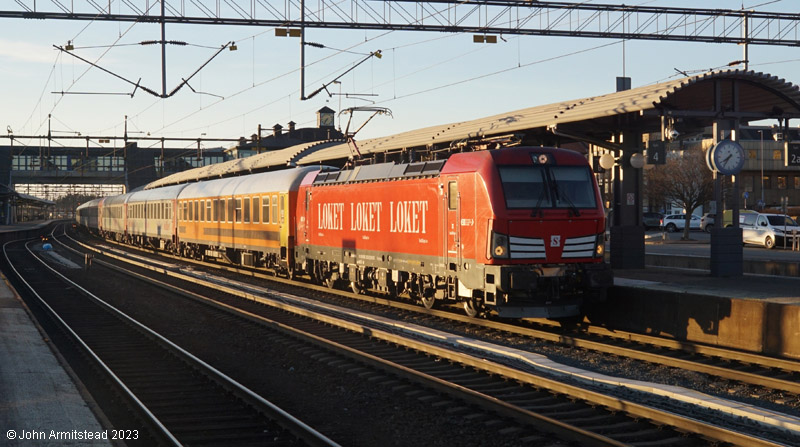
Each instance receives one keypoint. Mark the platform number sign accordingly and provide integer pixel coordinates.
(792, 153)
(657, 153)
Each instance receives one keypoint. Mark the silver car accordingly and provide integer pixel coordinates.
(675, 222)
(767, 229)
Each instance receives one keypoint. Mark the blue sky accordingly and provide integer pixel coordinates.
(423, 78)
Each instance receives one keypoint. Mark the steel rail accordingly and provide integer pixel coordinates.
(140, 407)
(614, 403)
(581, 342)
(566, 431)
(308, 434)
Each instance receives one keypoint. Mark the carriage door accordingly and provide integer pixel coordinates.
(452, 224)
(287, 242)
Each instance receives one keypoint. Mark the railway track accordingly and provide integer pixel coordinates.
(736, 366)
(516, 390)
(182, 400)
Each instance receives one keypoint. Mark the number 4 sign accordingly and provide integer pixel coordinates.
(656, 153)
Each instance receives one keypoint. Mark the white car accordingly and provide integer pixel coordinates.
(767, 229)
(675, 222)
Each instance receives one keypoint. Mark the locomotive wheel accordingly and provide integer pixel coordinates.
(355, 288)
(472, 308)
(427, 301)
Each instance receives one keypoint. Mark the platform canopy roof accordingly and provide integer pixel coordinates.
(689, 105)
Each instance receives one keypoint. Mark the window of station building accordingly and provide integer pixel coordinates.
(246, 215)
(796, 179)
(777, 154)
(238, 210)
(274, 209)
(265, 210)
(782, 182)
(61, 162)
(23, 162)
(767, 182)
(256, 208)
(231, 208)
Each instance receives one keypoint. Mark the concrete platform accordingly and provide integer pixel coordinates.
(753, 312)
(39, 402)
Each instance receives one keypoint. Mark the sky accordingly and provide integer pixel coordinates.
(424, 79)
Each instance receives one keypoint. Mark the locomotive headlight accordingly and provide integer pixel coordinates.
(499, 245)
(600, 246)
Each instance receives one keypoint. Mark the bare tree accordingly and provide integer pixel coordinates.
(684, 179)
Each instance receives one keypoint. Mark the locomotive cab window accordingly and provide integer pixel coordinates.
(525, 186)
(574, 187)
(548, 187)
(452, 195)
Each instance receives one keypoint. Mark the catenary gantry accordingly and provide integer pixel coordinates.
(539, 18)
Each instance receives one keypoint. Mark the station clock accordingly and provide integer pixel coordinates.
(726, 157)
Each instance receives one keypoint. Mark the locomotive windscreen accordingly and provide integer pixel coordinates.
(541, 186)
(574, 187)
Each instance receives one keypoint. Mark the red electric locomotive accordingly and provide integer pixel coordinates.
(518, 230)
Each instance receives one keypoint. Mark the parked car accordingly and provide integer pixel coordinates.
(652, 220)
(675, 222)
(767, 229)
(707, 222)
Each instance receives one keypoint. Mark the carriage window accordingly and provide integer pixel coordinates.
(239, 210)
(230, 210)
(246, 215)
(265, 210)
(191, 212)
(274, 209)
(208, 211)
(256, 208)
(215, 208)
